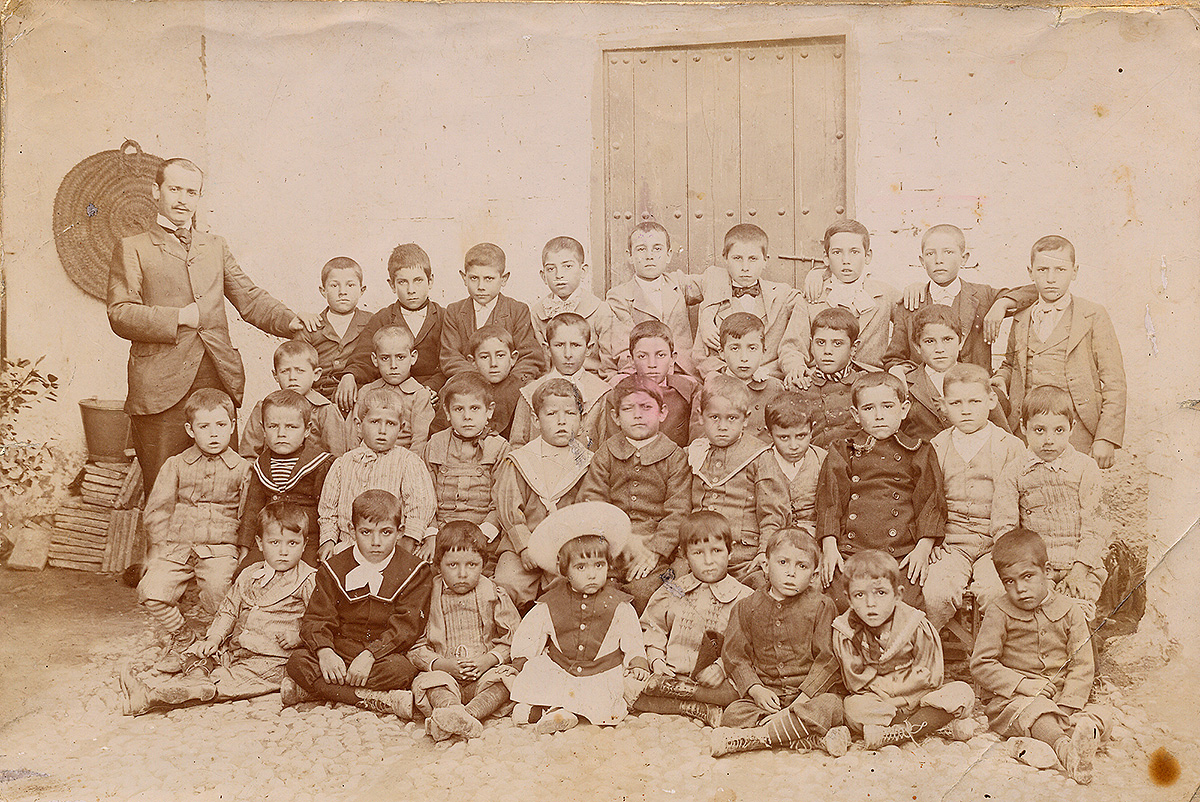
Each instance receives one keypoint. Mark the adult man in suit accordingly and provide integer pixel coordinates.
(166, 294)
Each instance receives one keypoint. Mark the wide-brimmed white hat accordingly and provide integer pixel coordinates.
(576, 520)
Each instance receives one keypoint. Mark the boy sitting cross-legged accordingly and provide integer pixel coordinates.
(369, 608)
(684, 626)
(296, 369)
(643, 473)
(891, 660)
(779, 653)
(1035, 666)
(465, 648)
(255, 628)
(464, 460)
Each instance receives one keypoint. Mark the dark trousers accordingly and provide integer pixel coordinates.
(389, 673)
(161, 435)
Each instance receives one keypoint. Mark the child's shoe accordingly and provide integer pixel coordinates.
(524, 714)
(959, 729)
(876, 736)
(726, 740)
(291, 693)
(1031, 752)
(171, 661)
(446, 722)
(398, 703)
(1078, 750)
(135, 694)
(705, 713)
(556, 720)
(670, 687)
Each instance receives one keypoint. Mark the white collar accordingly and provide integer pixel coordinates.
(1060, 305)
(651, 284)
(968, 445)
(790, 469)
(936, 379)
(638, 445)
(482, 313)
(938, 293)
(367, 574)
(169, 226)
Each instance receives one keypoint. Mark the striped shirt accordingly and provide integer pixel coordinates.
(398, 471)
(282, 467)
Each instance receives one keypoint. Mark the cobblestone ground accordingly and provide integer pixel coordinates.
(74, 744)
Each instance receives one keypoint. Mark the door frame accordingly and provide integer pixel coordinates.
(746, 33)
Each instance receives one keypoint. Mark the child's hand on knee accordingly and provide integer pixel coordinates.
(659, 666)
(642, 562)
(527, 561)
(288, 640)
(638, 674)
(711, 677)
(765, 698)
(333, 668)
(475, 667)
(360, 669)
(203, 648)
(917, 561)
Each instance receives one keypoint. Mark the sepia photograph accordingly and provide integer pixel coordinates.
(597, 401)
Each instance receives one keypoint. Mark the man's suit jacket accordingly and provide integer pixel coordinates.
(1095, 370)
(630, 307)
(970, 307)
(873, 328)
(151, 279)
(781, 302)
(334, 352)
(428, 343)
(460, 324)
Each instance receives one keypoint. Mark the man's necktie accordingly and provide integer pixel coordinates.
(185, 237)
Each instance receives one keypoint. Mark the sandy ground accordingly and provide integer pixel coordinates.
(63, 738)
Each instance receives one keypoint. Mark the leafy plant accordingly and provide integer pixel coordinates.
(27, 467)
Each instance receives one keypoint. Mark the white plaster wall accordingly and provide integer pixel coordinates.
(330, 129)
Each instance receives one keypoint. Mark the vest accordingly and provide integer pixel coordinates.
(969, 487)
(1048, 360)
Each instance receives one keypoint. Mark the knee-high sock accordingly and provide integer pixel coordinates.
(488, 701)
(167, 615)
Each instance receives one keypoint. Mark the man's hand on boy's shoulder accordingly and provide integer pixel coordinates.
(913, 295)
(346, 394)
(995, 318)
(814, 284)
(306, 321)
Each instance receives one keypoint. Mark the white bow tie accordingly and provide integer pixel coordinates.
(366, 574)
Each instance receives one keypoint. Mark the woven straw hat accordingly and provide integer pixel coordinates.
(102, 199)
(576, 520)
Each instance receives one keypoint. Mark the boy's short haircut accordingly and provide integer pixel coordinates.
(206, 399)
(787, 410)
(872, 564)
(1019, 545)
(744, 234)
(966, 373)
(485, 254)
(837, 318)
(1046, 399)
(399, 332)
(490, 332)
(296, 348)
(1051, 244)
(410, 254)
(878, 378)
(188, 164)
(559, 244)
(290, 516)
(558, 388)
(376, 507)
(648, 227)
(341, 263)
(288, 399)
(583, 546)
(569, 319)
(731, 389)
(934, 314)
(739, 324)
(946, 228)
(459, 536)
(797, 538)
(467, 384)
(636, 384)
(651, 329)
(380, 398)
(848, 227)
(704, 525)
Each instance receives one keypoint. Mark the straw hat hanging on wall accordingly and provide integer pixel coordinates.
(102, 199)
